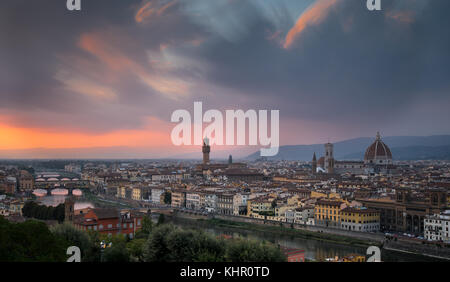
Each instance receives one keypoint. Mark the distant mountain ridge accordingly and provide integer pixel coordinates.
(403, 148)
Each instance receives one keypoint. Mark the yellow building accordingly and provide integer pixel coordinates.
(293, 201)
(327, 212)
(360, 219)
(136, 194)
(258, 205)
(315, 194)
(121, 192)
(15, 207)
(178, 198)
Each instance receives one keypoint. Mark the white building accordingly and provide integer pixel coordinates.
(167, 176)
(156, 195)
(73, 168)
(240, 203)
(436, 227)
(304, 215)
(289, 215)
(210, 202)
(193, 200)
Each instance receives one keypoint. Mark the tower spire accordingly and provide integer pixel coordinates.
(206, 149)
(314, 164)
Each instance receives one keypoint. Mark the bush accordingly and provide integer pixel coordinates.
(243, 250)
(118, 251)
(171, 244)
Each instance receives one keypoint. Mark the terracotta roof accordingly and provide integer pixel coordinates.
(357, 210)
(378, 150)
(321, 162)
(329, 202)
(106, 213)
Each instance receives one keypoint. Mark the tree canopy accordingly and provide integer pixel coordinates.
(31, 209)
(30, 241)
(34, 241)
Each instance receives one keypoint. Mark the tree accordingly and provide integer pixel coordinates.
(170, 244)
(167, 198)
(118, 251)
(30, 241)
(89, 246)
(274, 203)
(147, 226)
(136, 249)
(161, 219)
(253, 251)
(156, 248)
(32, 210)
(59, 213)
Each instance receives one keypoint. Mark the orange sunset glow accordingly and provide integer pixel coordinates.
(27, 138)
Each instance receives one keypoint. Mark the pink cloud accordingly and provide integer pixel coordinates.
(152, 9)
(315, 14)
(164, 83)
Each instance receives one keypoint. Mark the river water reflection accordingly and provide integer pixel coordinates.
(55, 200)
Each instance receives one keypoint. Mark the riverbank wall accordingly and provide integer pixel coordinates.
(317, 229)
(430, 250)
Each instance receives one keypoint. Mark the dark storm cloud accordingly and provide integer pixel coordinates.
(352, 67)
(42, 49)
(34, 34)
(355, 65)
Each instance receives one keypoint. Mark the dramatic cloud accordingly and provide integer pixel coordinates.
(313, 16)
(117, 68)
(152, 8)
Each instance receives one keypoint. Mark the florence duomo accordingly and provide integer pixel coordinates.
(377, 159)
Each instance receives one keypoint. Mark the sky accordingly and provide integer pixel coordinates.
(103, 82)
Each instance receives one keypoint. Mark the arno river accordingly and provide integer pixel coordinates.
(58, 197)
(314, 250)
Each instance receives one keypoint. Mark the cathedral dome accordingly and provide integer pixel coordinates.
(378, 153)
(321, 162)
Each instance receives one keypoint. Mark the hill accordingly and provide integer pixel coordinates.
(402, 147)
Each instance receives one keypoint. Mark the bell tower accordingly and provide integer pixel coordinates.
(329, 158)
(206, 149)
(314, 164)
(69, 209)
